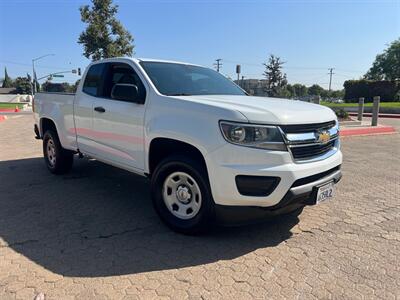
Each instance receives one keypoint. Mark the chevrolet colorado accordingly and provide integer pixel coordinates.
(212, 152)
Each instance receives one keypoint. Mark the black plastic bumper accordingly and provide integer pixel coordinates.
(296, 197)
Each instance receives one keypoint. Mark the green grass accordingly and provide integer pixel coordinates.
(382, 104)
(11, 105)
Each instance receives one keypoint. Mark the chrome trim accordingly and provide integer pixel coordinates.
(300, 137)
(312, 144)
(331, 152)
(308, 187)
(307, 139)
(334, 130)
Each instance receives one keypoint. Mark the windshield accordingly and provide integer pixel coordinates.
(173, 79)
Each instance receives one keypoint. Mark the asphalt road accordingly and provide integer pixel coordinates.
(93, 234)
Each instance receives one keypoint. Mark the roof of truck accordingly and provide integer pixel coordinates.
(137, 60)
(163, 60)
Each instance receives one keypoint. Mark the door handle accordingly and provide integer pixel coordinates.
(99, 109)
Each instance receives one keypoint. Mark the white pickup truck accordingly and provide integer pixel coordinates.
(212, 152)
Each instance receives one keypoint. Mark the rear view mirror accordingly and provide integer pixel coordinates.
(126, 92)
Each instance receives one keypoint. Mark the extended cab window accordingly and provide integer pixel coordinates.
(93, 80)
(122, 73)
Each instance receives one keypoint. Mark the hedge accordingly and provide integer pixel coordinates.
(388, 90)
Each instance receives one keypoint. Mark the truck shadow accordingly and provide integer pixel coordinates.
(99, 221)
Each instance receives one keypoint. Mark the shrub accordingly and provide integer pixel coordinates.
(397, 96)
(354, 89)
(341, 113)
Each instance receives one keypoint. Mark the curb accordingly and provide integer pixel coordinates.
(9, 110)
(392, 116)
(367, 131)
(3, 118)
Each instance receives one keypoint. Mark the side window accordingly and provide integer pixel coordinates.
(93, 80)
(122, 73)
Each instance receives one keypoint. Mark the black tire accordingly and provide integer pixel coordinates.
(205, 216)
(63, 159)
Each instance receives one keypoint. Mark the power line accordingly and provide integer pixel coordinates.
(218, 64)
(284, 67)
(291, 67)
(30, 65)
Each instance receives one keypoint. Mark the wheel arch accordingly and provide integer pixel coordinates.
(46, 124)
(161, 147)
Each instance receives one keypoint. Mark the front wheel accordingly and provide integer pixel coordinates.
(181, 195)
(58, 160)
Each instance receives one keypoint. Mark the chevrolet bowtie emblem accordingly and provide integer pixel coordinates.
(323, 136)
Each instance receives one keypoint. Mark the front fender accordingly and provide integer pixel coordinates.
(194, 123)
(205, 136)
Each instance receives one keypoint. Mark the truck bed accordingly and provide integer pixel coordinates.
(58, 107)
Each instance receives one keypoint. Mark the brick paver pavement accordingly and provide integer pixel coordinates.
(93, 234)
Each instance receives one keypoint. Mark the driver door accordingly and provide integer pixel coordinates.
(118, 125)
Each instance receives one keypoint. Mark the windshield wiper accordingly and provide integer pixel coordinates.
(180, 94)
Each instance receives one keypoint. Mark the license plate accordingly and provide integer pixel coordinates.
(325, 192)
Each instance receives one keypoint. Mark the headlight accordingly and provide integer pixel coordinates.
(256, 136)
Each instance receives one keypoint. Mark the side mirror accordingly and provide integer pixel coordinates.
(126, 92)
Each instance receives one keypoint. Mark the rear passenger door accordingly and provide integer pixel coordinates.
(118, 124)
(83, 107)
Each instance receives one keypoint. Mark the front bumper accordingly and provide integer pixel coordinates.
(229, 161)
(297, 197)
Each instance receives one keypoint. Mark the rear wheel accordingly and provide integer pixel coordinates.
(58, 160)
(181, 195)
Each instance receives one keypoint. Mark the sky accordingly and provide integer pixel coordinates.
(310, 36)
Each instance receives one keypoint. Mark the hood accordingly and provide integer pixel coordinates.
(268, 110)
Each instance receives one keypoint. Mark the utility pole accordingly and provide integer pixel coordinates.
(330, 77)
(34, 72)
(218, 64)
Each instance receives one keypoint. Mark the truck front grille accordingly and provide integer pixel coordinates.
(309, 142)
(309, 152)
(307, 127)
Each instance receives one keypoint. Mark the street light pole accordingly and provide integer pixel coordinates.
(33, 69)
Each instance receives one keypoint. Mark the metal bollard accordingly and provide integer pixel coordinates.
(375, 111)
(360, 109)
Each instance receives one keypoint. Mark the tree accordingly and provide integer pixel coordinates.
(337, 94)
(386, 89)
(75, 86)
(23, 85)
(299, 90)
(31, 82)
(45, 87)
(276, 79)
(284, 92)
(104, 36)
(7, 82)
(315, 90)
(387, 64)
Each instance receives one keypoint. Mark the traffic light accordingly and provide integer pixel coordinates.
(79, 71)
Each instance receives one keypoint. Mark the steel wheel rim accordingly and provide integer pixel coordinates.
(51, 152)
(182, 195)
